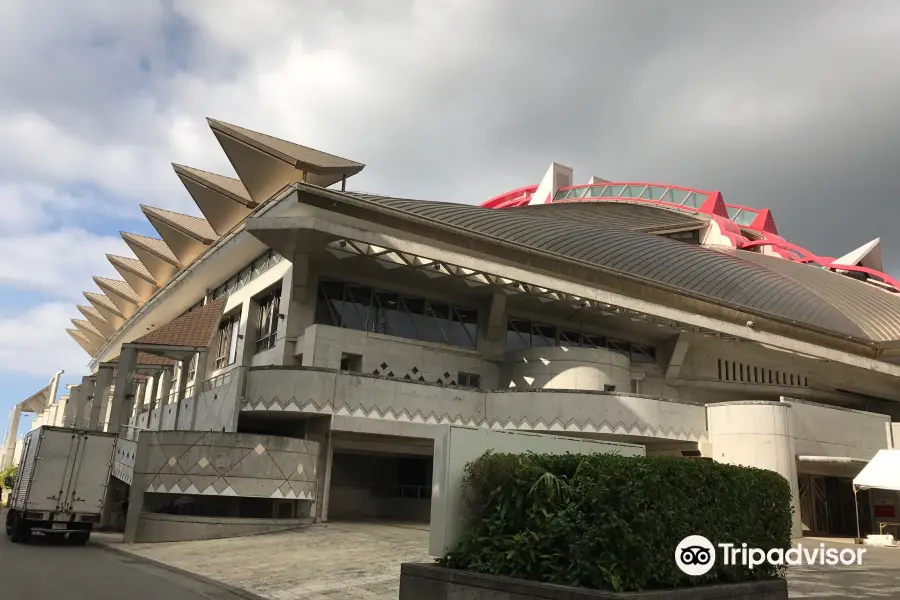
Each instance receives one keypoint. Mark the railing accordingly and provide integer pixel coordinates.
(217, 381)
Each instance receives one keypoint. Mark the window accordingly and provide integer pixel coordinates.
(247, 274)
(609, 388)
(351, 362)
(226, 341)
(192, 368)
(267, 321)
(468, 380)
(635, 386)
(352, 306)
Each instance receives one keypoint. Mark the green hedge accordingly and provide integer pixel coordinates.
(609, 522)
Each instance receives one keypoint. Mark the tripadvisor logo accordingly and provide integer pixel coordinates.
(695, 555)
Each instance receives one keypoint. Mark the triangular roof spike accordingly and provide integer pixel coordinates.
(83, 341)
(103, 304)
(764, 221)
(194, 329)
(97, 320)
(187, 236)
(156, 256)
(714, 205)
(121, 294)
(229, 186)
(90, 332)
(135, 274)
(868, 255)
(266, 164)
(223, 201)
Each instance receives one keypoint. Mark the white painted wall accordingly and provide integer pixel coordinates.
(757, 434)
(827, 431)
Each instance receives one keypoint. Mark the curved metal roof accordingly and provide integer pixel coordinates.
(630, 214)
(743, 280)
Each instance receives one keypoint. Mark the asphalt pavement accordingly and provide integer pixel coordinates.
(46, 569)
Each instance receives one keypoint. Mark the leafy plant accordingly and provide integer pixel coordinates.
(8, 478)
(611, 522)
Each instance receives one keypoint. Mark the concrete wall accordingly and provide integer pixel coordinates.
(154, 527)
(372, 398)
(757, 434)
(895, 435)
(568, 369)
(821, 430)
(322, 346)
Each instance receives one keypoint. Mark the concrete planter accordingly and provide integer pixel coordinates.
(430, 582)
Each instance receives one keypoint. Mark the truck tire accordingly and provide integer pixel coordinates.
(9, 517)
(21, 530)
(79, 538)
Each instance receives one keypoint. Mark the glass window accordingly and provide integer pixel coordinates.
(387, 315)
(579, 192)
(654, 193)
(464, 328)
(468, 380)
(594, 191)
(518, 335)
(643, 354)
(226, 341)
(327, 312)
(437, 323)
(695, 200)
(678, 196)
(634, 191)
(267, 320)
(572, 339)
(613, 191)
(356, 308)
(732, 211)
(620, 347)
(543, 335)
(594, 341)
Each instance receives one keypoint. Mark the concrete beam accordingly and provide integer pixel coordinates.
(676, 360)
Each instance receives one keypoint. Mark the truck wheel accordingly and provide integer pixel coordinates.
(21, 530)
(79, 538)
(9, 517)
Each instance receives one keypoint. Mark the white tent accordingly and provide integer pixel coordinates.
(882, 473)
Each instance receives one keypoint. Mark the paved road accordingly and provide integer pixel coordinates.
(45, 570)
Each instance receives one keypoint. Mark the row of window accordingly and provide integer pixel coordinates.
(730, 370)
(352, 306)
(641, 191)
(253, 270)
(522, 334)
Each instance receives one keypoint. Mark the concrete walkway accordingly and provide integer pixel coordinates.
(354, 561)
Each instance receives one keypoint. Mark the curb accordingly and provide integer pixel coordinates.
(236, 591)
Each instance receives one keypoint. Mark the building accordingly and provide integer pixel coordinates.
(290, 353)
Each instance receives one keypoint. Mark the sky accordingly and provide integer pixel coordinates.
(790, 106)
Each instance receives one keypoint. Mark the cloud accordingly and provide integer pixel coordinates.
(788, 106)
(61, 262)
(31, 343)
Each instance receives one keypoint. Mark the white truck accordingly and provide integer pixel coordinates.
(60, 484)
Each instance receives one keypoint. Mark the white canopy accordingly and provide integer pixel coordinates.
(882, 472)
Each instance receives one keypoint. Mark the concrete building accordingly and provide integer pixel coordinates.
(288, 354)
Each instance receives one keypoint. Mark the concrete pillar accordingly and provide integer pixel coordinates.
(124, 384)
(88, 393)
(165, 390)
(9, 445)
(139, 481)
(297, 304)
(493, 343)
(68, 419)
(247, 340)
(319, 430)
(154, 390)
(102, 382)
(197, 390)
(757, 434)
(183, 368)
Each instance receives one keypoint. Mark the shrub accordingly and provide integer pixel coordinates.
(8, 478)
(609, 522)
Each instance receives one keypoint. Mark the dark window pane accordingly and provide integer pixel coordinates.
(354, 308)
(463, 328)
(620, 347)
(386, 313)
(543, 335)
(572, 339)
(413, 322)
(594, 341)
(643, 354)
(437, 323)
(518, 335)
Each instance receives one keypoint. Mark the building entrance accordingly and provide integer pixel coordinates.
(827, 506)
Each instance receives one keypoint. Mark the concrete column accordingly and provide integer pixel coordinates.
(246, 349)
(757, 434)
(102, 382)
(197, 391)
(138, 485)
(319, 430)
(493, 344)
(165, 390)
(68, 419)
(88, 393)
(298, 304)
(154, 390)
(9, 446)
(183, 368)
(124, 385)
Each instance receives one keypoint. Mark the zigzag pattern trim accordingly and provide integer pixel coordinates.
(523, 424)
(228, 491)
